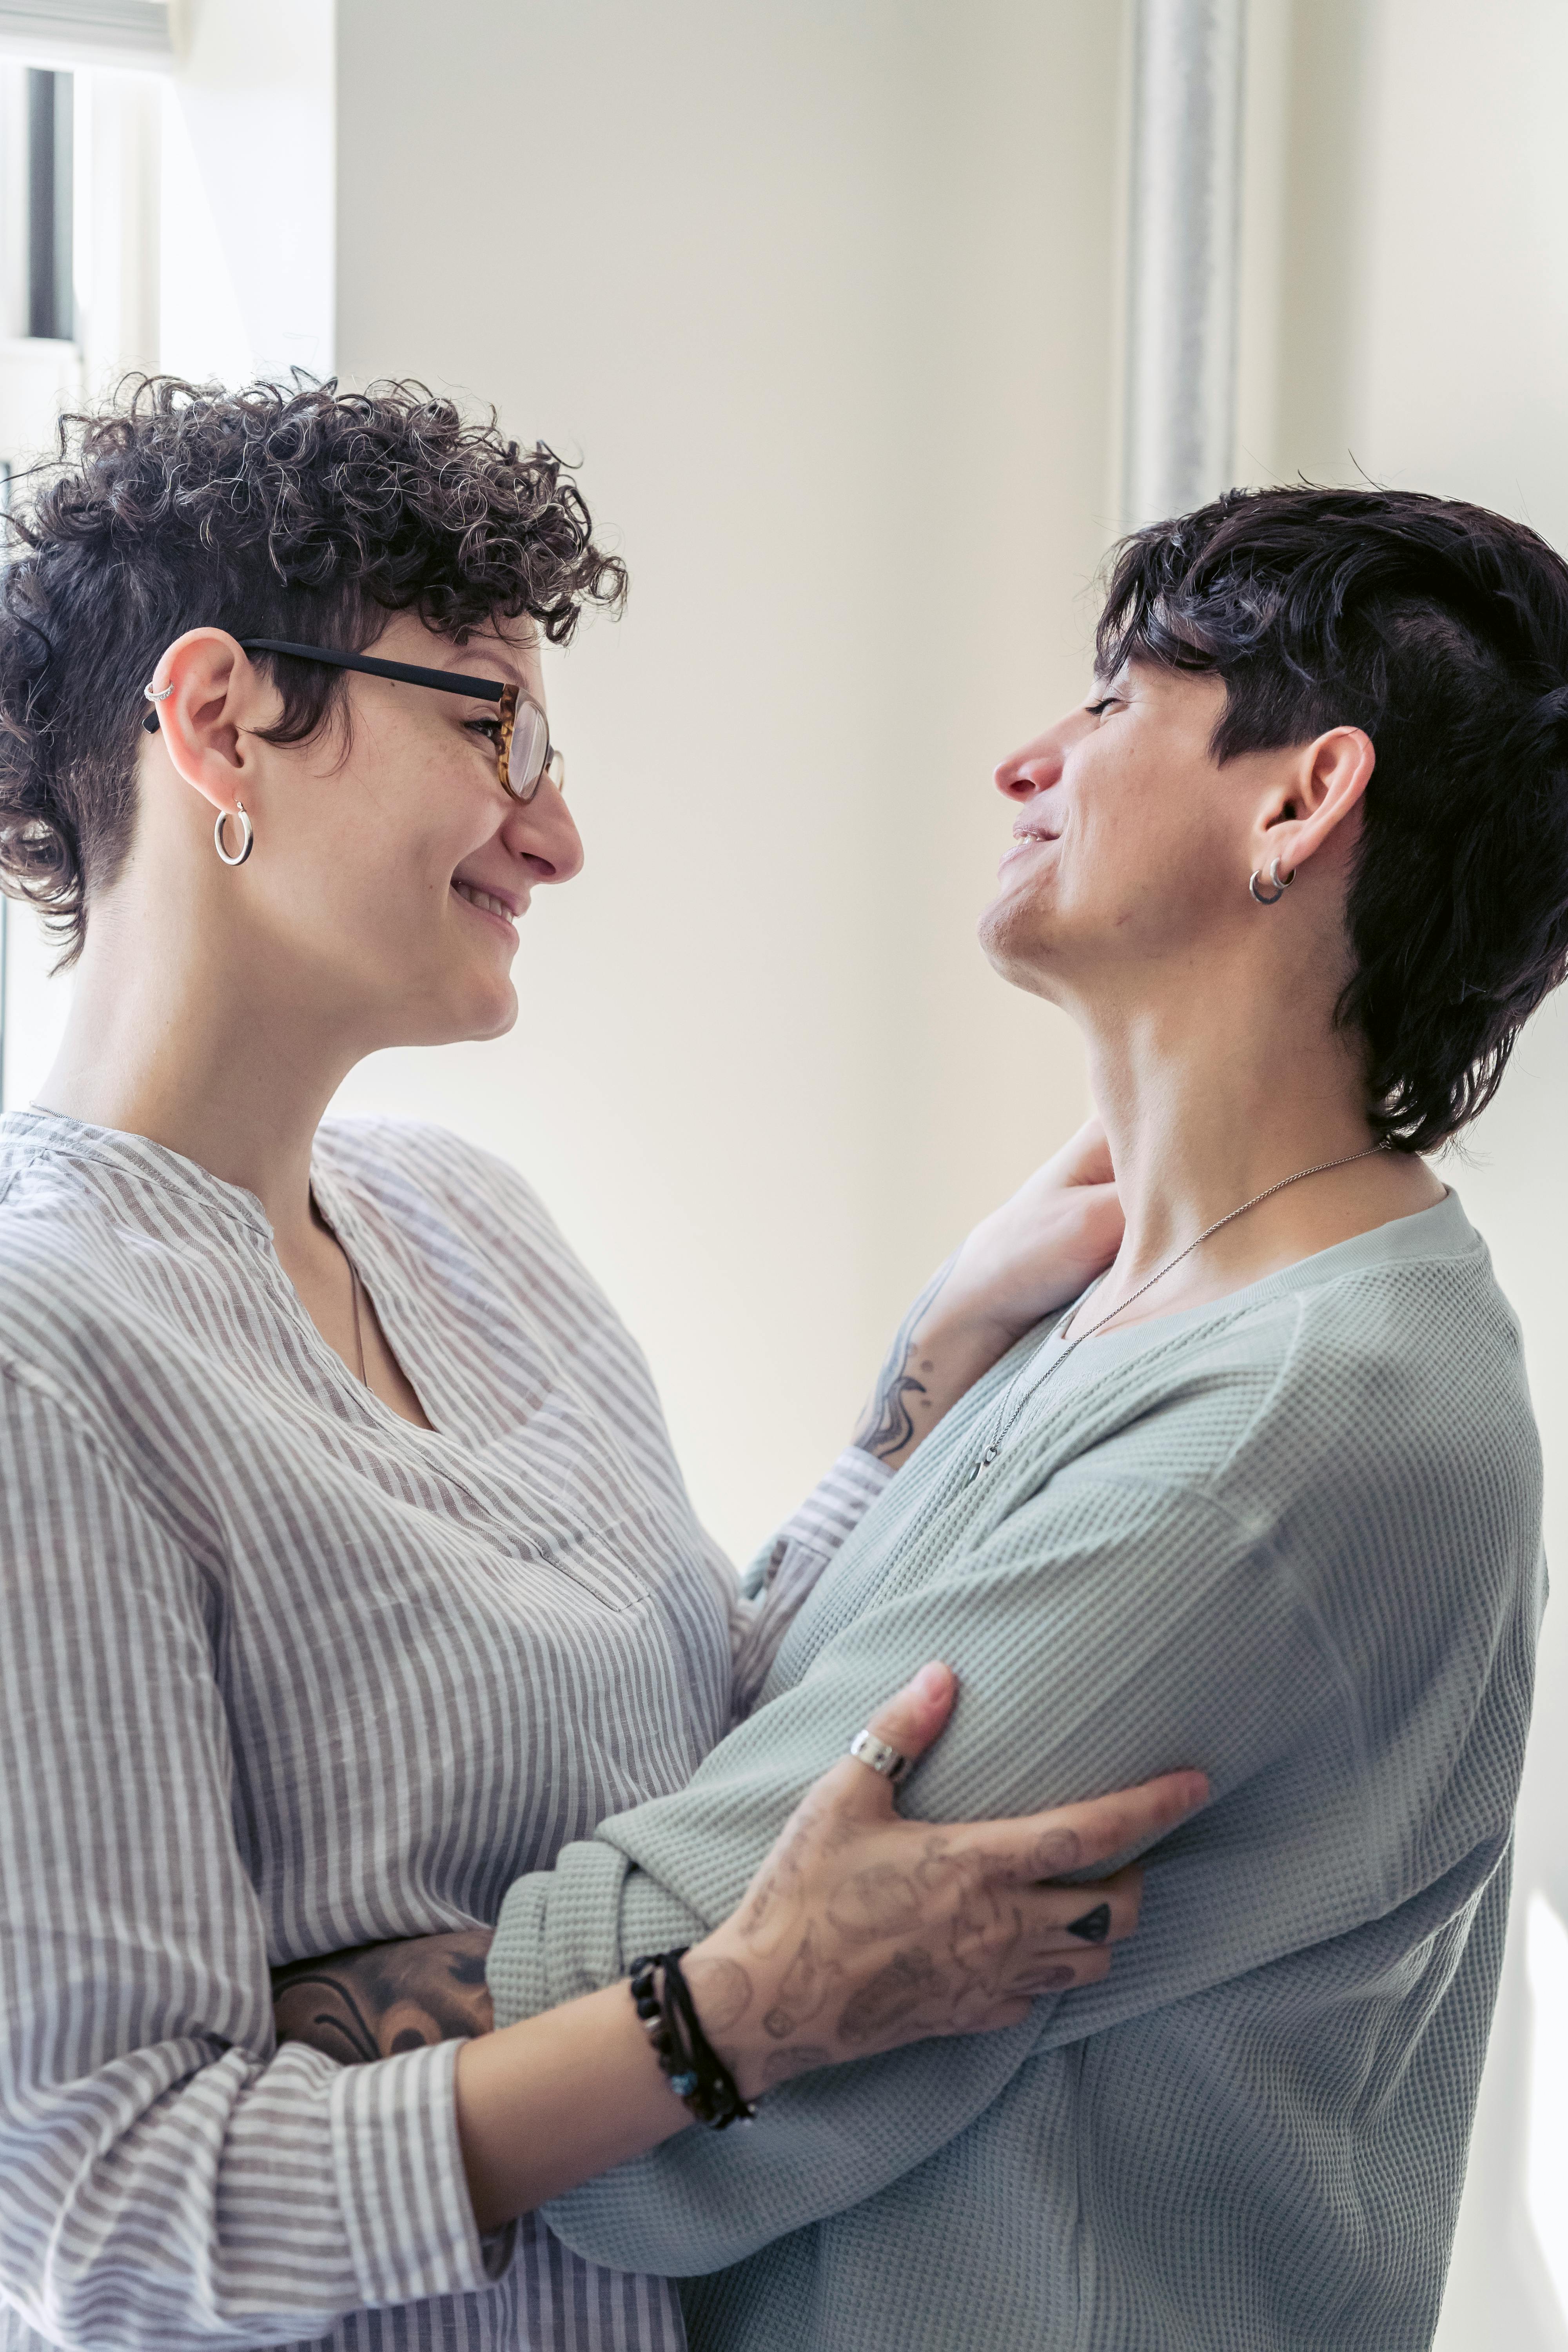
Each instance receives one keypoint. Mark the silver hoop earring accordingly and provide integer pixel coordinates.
(246, 834)
(157, 693)
(1281, 883)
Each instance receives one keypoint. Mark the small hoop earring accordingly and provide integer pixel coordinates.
(246, 834)
(157, 693)
(1281, 883)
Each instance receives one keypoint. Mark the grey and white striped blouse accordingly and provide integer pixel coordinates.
(280, 1673)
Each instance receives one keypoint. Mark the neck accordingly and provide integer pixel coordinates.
(197, 1053)
(1198, 1125)
(1205, 1110)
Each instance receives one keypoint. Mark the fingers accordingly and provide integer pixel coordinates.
(1065, 1920)
(1078, 1837)
(1085, 1156)
(1059, 1972)
(908, 1722)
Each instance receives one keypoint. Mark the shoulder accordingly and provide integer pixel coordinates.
(419, 1170)
(1355, 1393)
(59, 1295)
(446, 1207)
(1392, 1341)
(1406, 1350)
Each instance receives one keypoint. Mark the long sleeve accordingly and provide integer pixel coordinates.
(171, 2179)
(1107, 1629)
(786, 1573)
(1161, 1573)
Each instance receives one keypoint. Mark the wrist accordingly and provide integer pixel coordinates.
(697, 2069)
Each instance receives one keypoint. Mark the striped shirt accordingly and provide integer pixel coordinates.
(282, 1673)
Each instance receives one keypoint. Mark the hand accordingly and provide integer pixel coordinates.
(378, 1999)
(861, 1931)
(1043, 1247)
(1034, 1254)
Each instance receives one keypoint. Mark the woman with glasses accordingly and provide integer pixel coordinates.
(348, 1575)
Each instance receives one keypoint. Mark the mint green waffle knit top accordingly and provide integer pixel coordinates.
(1292, 1538)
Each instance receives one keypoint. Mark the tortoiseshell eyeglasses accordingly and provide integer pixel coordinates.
(524, 752)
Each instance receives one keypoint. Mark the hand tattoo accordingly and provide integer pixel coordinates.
(878, 1901)
(887, 1427)
(377, 2000)
(722, 1991)
(911, 1980)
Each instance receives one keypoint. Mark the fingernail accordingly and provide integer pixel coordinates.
(931, 1682)
(1094, 1926)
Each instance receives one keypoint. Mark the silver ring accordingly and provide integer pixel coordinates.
(157, 693)
(879, 1756)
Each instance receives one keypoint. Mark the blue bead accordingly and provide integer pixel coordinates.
(683, 2086)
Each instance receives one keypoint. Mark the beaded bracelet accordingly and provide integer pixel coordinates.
(696, 2072)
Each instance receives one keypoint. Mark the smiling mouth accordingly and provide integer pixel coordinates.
(485, 902)
(1022, 841)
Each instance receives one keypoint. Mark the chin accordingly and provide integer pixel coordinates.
(1014, 940)
(465, 1019)
(494, 1019)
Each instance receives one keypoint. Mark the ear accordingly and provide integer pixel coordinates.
(1319, 790)
(205, 722)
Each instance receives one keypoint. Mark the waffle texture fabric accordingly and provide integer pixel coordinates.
(1292, 1538)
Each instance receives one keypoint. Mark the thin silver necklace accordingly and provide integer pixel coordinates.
(359, 1334)
(1009, 1412)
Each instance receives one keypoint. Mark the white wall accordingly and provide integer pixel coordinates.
(823, 297)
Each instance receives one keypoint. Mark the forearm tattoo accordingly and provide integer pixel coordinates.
(887, 1425)
(377, 2000)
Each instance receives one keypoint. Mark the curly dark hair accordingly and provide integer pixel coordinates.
(1441, 629)
(302, 512)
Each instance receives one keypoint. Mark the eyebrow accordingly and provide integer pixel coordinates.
(507, 662)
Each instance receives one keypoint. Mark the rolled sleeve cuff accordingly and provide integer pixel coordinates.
(408, 2215)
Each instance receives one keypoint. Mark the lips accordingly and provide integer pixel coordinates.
(502, 904)
(1023, 841)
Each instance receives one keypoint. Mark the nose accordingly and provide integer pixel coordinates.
(543, 834)
(1031, 770)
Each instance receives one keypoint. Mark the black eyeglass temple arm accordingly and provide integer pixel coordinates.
(445, 681)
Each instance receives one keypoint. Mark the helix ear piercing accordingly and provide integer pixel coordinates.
(247, 835)
(1281, 883)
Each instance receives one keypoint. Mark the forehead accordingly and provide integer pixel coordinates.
(500, 647)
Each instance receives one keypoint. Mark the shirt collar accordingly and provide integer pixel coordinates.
(32, 1135)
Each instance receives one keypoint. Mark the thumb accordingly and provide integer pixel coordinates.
(908, 1722)
(1085, 1156)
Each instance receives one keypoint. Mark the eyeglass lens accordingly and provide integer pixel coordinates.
(529, 750)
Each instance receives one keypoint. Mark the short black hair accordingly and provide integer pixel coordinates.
(1442, 629)
(296, 511)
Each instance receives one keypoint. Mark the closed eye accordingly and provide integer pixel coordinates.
(1095, 709)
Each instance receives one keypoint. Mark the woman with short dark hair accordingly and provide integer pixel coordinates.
(1268, 1500)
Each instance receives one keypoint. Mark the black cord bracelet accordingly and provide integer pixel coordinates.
(696, 2072)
